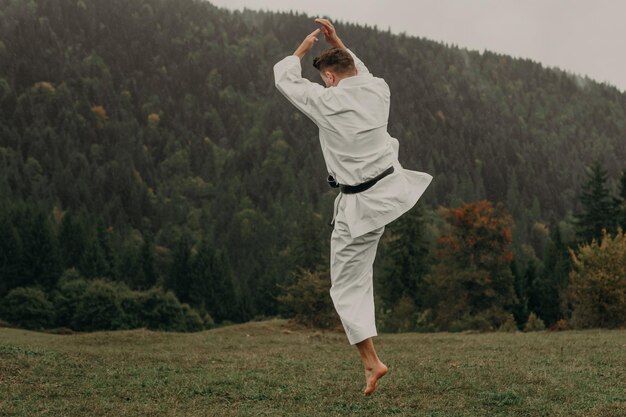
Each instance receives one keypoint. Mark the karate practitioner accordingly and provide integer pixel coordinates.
(362, 161)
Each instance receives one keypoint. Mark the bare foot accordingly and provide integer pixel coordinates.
(372, 375)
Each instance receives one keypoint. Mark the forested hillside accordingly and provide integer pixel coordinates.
(151, 138)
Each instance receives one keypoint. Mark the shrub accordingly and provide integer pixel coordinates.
(208, 321)
(28, 307)
(69, 289)
(534, 323)
(401, 317)
(309, 300)
(99, 305)
(107, 305)
(99, 308)
(70, 274)
(509, 325)
(562, 324)
(424, 321)
(158, 310)
(193, 321)
(161, 311)
(486, 320)
(132, 305)
(468, 322)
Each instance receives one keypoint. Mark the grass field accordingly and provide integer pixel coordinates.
(272, 368)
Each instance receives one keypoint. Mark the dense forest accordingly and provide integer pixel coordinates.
(144, 142)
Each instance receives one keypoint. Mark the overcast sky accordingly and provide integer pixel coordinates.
(586, 37)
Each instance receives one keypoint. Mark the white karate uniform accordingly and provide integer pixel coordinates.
(352, 120)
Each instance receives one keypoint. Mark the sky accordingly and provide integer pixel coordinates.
(584, 37)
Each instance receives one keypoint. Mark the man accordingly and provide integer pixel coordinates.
(362, 160)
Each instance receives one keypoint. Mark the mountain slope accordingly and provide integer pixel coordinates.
(161, 117)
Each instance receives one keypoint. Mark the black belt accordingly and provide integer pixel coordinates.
(353, 189)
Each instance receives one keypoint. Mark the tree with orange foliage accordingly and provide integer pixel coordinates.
(472, 282)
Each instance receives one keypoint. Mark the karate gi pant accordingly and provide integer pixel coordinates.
(351, 275)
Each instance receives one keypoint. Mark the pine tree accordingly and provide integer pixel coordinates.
(200, 294)
(307, 245)
(147, 275)
(557, 269)
(537, 290)
(225, 303)
(211, 286)
(92, 263)
(128, 265)
(622, 200)
(521, 285)
(41, 261)
(547, 290)
(72, 240)
(178, 276)
(599, 207)
(103, 236)
(563, 264)
(10, 256)
(406, 259)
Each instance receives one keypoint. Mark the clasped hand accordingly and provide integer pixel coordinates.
(330, 35)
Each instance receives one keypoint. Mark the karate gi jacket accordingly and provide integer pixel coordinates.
(352, 120)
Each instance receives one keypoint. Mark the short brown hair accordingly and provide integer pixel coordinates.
(336, 59)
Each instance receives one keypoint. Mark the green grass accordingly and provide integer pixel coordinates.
(273, 369)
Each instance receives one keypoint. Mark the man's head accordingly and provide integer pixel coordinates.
(334, 65)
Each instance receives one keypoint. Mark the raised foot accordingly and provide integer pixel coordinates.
(372, 376)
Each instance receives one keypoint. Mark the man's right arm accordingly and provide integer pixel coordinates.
(301, 92)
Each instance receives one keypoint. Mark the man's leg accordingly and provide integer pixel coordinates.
(374, 368)
(351, 275)
(352, 292)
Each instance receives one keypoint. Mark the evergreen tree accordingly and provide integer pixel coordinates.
(10, 256)
(599, 207)
(200, 293)
(72, 240)
(96, 257)
(211, 286)
(146, 276)
(92, 262)
(406, 259)
(550, 290)
(103, 236)
(41, 261)
(542, 293)
(622, 200)
(178, 277)
(225, 303)
(128, 265)
(520, 282)
(307, 246)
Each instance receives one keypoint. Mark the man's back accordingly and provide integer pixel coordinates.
(352, 118)
(360, 103)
